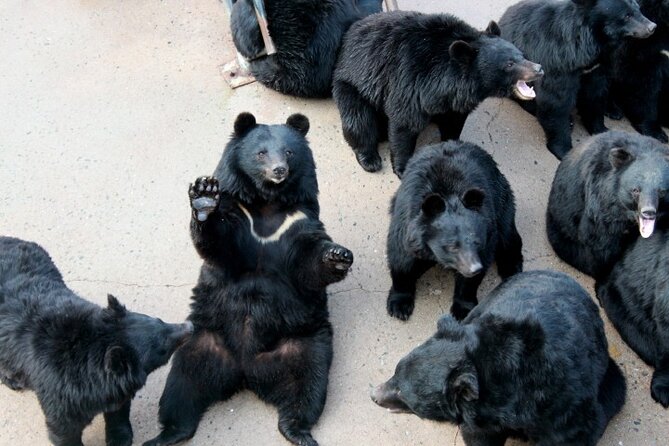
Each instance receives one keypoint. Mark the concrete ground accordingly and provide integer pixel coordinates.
(110, 108)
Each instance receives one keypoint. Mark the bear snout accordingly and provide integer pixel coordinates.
(277, 172)
(388, 398)
(643, 29)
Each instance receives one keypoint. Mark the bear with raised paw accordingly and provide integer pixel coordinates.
(569, 38)
(530, 361)
(79, 359)
(399, 71)
(635, 296)
(456, 209)
(604, 195)
(260, 305)
(307, 35)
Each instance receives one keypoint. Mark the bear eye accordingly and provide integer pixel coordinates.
(289, 153)
(262, 154)
(636, 191)
(509, 64)
(628, 16)
(662, 193)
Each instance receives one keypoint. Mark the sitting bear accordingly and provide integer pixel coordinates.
(80, 359)
(260, 306)
(454, 208)
(604, 194)
(569, 38)
(307, 35)
(399, 71)
(530, 361)
(635, 296)
(640, 71)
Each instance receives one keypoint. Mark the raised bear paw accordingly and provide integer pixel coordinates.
(338, 258)
(659, 387)
(204, 197)
(400, 305)
(460, 310)
(370, 161)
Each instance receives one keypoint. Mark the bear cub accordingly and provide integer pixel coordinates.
(399, 71)
(307, 35)
(604, 194)
(260, 305)
(530, 361)
(570, 39)
(456, 209)
(78, 358)
(635, 297)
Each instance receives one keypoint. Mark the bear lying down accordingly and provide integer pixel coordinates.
(530, 361)
(79, 359)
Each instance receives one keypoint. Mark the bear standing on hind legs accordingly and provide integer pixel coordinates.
(568, 38)
(260, 306)
(402, 70)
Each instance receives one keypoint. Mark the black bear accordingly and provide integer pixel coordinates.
(604, 194)
(80, 359)
(454, 208)
(260, 305)
(530, 361)
(307, 35)
(640, 72)
(569, 38)
(399, 71)
(635, 296)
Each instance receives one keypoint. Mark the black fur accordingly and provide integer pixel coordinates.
(307, 34)
(453, 208)
(640, 74)
(569, 37)
(529, 361)
(636, 299)
(405, 69)
(598, 194)
(80, 359)
(260, 305)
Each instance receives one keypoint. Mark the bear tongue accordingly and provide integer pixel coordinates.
(525, 89)
(646, 226)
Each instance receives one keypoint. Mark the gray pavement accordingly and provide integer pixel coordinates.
(108, 109)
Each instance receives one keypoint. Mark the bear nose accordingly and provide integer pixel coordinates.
(538, 69)
(279, 170)
(648, 213)
(651, 27)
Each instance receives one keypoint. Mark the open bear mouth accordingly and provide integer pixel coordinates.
(524, 91)
(646, 226)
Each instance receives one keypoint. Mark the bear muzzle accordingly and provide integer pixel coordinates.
(389, 398)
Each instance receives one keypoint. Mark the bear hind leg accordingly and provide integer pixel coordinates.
(450, 124)
(358, 120)
(118, 430)
(509, 254)
(203, 371)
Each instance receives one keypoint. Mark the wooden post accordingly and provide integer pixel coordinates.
(391, 5)
(261, 14)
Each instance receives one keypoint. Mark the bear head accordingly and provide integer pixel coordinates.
(639, 167)
(140, 343)
(613, 20)
(502, 69)
(452, 230)
(435, 380)
(268, 161)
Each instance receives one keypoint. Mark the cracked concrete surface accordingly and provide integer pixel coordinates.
(110, 108)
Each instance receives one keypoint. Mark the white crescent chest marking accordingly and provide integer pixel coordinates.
(285, 226)
(665, 52)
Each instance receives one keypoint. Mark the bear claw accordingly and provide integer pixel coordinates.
(659, 389)
(340, 258)
(371, 162)
(400, 305)
(204, 197)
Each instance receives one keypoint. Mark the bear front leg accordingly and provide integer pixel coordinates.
(402, 145)
(476, 437)
(402, 294)
(450, 124)
(556, 98)
(359, 125)
(118, 430)
(592, 100)
(318, 263)
(64, 431)
(335, 263)
(642, 109)
(464, 295)
(659, 385)
(509, 253)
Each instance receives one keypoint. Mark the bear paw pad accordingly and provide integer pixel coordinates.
(339, 258)
(204, 197)
(400, 305)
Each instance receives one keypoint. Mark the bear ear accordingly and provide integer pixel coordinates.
(462, 52)
(493, 29)
(464, 385)
(114, 307)
(299, 122)
(473, 199)
(244, 122)
(619, 157)
(433, 205)
(116, 360)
